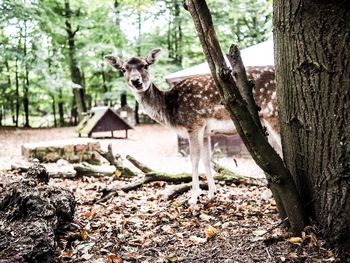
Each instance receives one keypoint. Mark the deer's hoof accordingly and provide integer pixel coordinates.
(193, 201)
(194, 197)
(211, 192)
(211, 195)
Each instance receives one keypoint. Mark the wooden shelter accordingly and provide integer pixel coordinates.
(102, 119)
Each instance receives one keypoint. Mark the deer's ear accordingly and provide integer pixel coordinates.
(153, 56)
(114, 61)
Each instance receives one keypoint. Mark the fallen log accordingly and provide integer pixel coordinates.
(142, 167)
(86, 169)
(31, 215)
(157, 176)
(53, 170)
(223, 175)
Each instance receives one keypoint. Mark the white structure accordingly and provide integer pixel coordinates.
(257, 55)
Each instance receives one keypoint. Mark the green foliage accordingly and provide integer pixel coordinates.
(34, 43)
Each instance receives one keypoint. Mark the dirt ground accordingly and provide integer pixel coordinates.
(154, 145)
(140, 226)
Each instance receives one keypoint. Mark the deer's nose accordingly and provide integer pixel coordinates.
(136, 83)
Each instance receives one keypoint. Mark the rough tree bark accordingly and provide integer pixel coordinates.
(279, 178)
(312, 54)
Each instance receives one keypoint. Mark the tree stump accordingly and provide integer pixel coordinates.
(31, 214)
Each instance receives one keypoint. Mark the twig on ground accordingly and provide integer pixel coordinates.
(110, 157)
(275, 226)
(139, 165)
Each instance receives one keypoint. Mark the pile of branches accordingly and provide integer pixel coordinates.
(146, 175)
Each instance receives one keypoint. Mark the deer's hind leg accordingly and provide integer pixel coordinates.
(205, 155)
(196, 143)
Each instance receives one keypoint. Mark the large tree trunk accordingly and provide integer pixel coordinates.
(312, 44)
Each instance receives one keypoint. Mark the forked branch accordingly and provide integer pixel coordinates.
(114, 160)
(279, 177)
(244, 86)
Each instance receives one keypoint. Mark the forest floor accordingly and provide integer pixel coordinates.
(139, 226)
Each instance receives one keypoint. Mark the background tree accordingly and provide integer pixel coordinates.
(44, 56)
(312, 41)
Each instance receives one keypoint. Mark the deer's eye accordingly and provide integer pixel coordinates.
(146, 66)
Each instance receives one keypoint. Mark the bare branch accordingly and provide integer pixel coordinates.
(280, 180)
(244, 86)
(125, 171)
(139, 165)
(76, 30)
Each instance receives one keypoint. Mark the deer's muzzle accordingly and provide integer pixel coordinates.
(137, 83)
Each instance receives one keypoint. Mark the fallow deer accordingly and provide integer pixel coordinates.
(192, 108)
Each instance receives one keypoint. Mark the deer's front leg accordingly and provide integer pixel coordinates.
(205, 154)
(196, 142)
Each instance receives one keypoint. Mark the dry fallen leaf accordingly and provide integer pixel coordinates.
(83, 234)
(295, 240)
(172, 257)
(90, 214)
(197, 240)
(114, 259)
(210, 231)
(259, 232)
(117, 174)
(292, 255)
(133, 256)
(205, 217)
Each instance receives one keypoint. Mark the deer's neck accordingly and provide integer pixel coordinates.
(153, 101)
